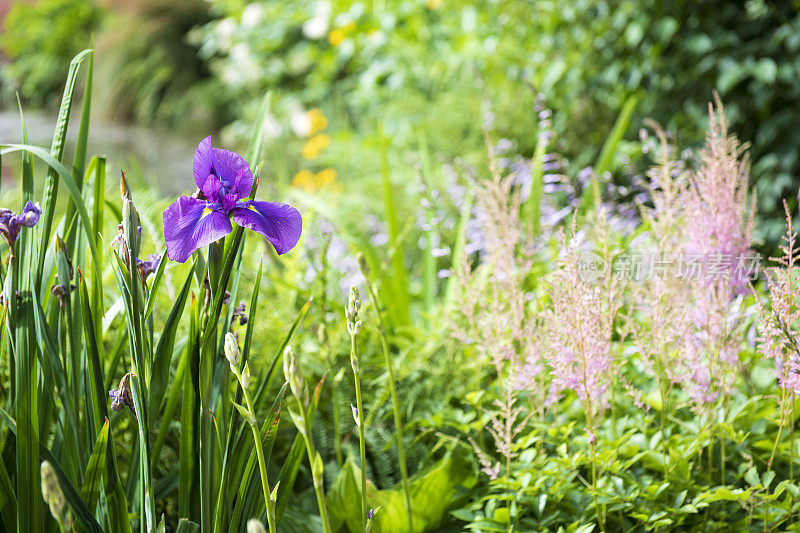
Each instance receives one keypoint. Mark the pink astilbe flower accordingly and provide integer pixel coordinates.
(780, 329)
(718, 225)
(578, 329)
(663, 297)
(493, 314)
(719, 219)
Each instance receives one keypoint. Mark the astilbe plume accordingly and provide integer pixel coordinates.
(578, 331)
(492, 313)
(779, 330)
(663, 296)
(718, 225)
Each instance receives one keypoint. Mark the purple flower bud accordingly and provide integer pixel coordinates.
(123, 397)
(148, 266)
(11, 222)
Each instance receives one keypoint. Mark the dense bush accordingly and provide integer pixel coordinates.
(150, 73)
(432, 66)
(37, 42)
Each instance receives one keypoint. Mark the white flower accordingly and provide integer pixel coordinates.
(299, 121)
(271, 127)
(225, 30)
(317, 26)
(252, 15)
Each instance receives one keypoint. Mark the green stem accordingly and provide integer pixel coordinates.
(398, 420)
(337, 438)
(318, 481)
(791, 442)
(262, 463)
(780, 430)
(361, 432)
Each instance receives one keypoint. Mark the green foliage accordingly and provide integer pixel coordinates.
(417, 66)
(150, 73)
(39, 38)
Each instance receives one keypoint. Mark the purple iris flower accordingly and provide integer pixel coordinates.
(225, 181)
(148, 266)
(11, 222)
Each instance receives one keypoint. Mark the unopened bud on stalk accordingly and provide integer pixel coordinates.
(292, 373)
(352, 311)
(255, 526)
(54, 496)
(245, 379)
(232, 353)
(317, 470)
(131, 223)
(355, 414)
(354, 362)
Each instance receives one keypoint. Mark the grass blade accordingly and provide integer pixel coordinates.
(166, 345)
(608, 152)
(27, 163)
(79, 158)
(8, 501)
(398, 281)
(90, 490)
(66, 176)
(82, 513)
(57, 152)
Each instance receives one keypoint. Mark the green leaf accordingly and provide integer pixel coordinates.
(257, 135)
(74, 192)
(8, 501)
(57, 152)
(90, 490)
(166, 344)
(605, 159)
(434, 493)
(82, 513)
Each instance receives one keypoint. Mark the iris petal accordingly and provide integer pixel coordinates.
(190, 224)
(203, 161)
(234, 172)
(229, 167)
(281, 224)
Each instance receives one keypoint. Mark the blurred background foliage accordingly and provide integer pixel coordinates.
(432, 69)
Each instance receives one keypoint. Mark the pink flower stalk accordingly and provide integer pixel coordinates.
(719, 221)
(718, 225)
(780, 329)
(578, 331)
(494, 317)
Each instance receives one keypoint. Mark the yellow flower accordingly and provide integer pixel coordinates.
(336, 37)
(325, 177)
(317, 120)
(311, 183)
(315, 145)
(304, 180)
(433, 4)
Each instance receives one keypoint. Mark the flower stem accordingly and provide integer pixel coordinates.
(361, 432)
(262, 464)
(337, 438)
(791, 443)
(780, 429)
(319, 488)
(398, 419)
